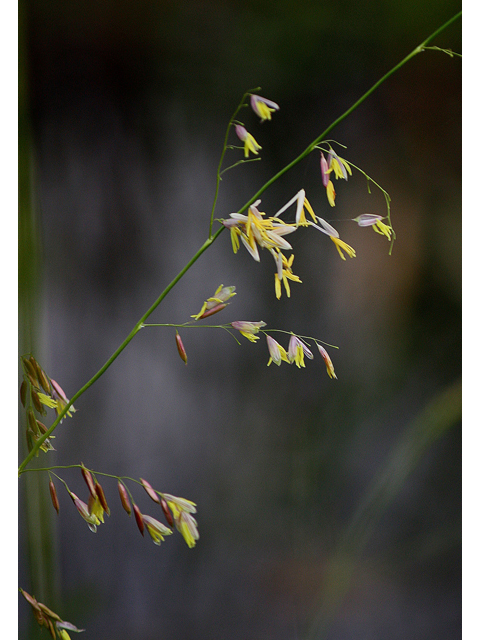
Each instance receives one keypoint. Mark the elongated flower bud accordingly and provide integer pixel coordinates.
(53, 495)
(139, 519)
(327, 360)
(36, 402)
(32, 374)
(48, 612)
(43, 380)
(101, 497)
(213, 310)
(40, 374)
(30, 599)
(87, 476)
(150, 490)
(166, 511)
(23, 392)
(324, 170)
(181, 349)
(32, 422)
(124, 499)
(29, 439)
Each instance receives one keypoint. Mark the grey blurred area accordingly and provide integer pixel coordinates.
(326, 508)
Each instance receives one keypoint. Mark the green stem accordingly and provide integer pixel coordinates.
(115, 355)
(320, 138)
(225, 146)
(212, 238)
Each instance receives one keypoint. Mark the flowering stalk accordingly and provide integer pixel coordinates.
(211, 238)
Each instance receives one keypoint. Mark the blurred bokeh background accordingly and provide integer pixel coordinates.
(327, 508)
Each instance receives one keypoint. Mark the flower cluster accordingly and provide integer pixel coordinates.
(177, 511)
(264, 109)
(216, 303)
(49, 619)
(185, 523)
(255, 230)
(33, 399)
(297, 349)
(97, 505)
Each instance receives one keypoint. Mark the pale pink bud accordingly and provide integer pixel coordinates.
(367, 219)
(324, 170)
(241, 132)
(150, 490)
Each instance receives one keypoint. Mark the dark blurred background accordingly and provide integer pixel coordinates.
(327, 508)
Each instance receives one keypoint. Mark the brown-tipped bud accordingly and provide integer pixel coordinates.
(213, 310)
(30, 599)
(166, 511)
(150, 490)
(42, 378)
(23, 392)
(181, 349)
(29, 440)
(124, 499)
(48, 612)
(32, 422)
(40, 618)
(101, 497)
(87, 476)
(36, 402)
(32, 374)
(42, 427)
(54, 497)
(39, 372)
(139, 519)
(51, 628)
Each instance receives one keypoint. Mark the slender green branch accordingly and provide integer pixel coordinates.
(320, 138)
(290, 333)
(115, 355)
(232, 166)
(225, 146)
(213, 237)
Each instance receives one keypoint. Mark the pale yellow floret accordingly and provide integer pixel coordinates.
(250, 144)
(340, 244)
(47, 401)
(331, 193)
(383, 229)
(264, 111)
(286, 275)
